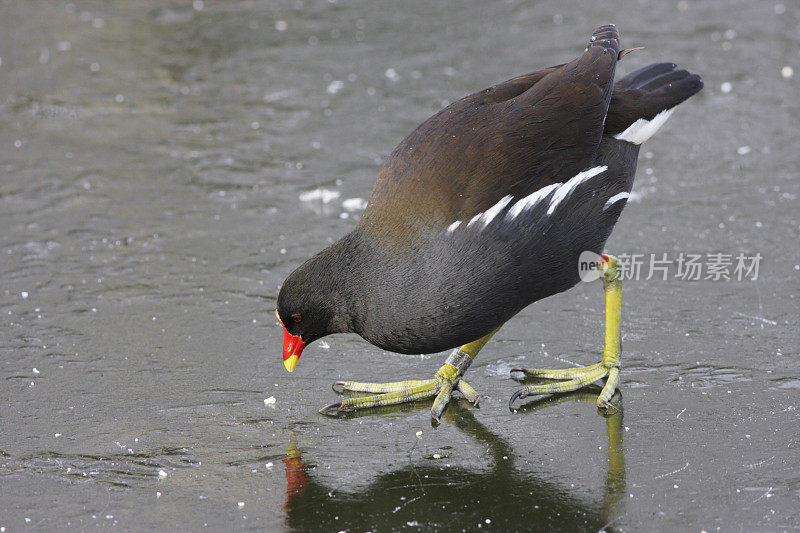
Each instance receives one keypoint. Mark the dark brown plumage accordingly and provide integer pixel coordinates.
(486, 206)
(513, 138)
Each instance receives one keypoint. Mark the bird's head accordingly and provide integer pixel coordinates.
(302, 322)
(319, 298)
(308, 309)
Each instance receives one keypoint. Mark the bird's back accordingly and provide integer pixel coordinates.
(513, 138)
(486, 207)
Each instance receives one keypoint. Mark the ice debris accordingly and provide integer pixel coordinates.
(326, 196)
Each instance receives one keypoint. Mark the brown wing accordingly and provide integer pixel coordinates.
(511, 139)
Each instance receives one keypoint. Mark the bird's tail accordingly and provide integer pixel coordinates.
(644, 94)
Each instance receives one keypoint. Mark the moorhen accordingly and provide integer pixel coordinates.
(482, 210)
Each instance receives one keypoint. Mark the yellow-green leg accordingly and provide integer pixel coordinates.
(448, 377)
(574, 378)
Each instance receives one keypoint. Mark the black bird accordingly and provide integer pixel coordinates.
(484, 209)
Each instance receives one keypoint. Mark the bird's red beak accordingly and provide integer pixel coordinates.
(292, 346)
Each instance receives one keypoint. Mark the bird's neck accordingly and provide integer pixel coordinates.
(342, 266)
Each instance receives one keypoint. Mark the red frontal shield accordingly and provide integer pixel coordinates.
(292, 346)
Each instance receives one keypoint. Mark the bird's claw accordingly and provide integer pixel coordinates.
(332, 409)
(520, 394)
(571, 379)
(606, 407)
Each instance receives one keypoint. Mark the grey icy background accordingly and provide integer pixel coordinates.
(163, 167)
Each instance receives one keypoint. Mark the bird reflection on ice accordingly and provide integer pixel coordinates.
(431, 497)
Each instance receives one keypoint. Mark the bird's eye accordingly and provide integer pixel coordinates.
(297, 318)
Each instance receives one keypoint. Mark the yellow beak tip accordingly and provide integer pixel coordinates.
(291, 362)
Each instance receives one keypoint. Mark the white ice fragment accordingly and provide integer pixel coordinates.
(162, 474)
(35, 370)
(24, 294)
(268, 466)
(326, 196)
(335, 86)
(281, 25)
(241, 505)
(419, 434)
(275, 96)
(787, 72)
(56, 435)
(391, 74)
(437, 456)
(743, 150)
(324, 345)
(270, 401)
(354, 204)
(158, 495)
(726, 87)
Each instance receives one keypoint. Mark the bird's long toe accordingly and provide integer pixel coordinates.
(565, 373)
(378, 388)
(571, 379)
(440, 386)
(418, 390)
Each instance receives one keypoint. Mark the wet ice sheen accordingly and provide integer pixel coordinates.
(177, 161)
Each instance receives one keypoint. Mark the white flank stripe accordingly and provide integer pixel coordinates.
(495, 210)
(474, 219)
(642, 129)
(486, 216)
(531, 200)
(616, 198)
(452, 227)
(564, 190)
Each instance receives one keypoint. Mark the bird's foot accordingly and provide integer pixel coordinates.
(441, 386)
(571, 379)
